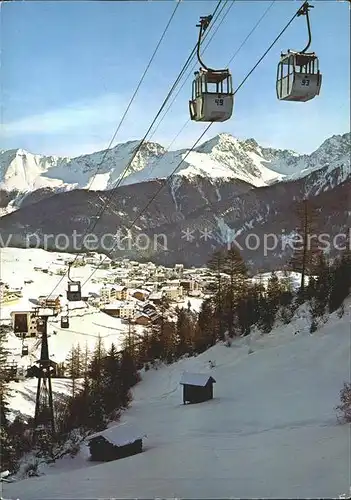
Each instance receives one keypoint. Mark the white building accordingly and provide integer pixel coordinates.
(24, 323)
(173, 292)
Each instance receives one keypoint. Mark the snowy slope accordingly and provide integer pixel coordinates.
(223, 157)
(269, 432)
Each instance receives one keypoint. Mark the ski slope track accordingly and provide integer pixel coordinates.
(270, 431)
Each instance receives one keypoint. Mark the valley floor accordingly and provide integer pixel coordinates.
(270, 431)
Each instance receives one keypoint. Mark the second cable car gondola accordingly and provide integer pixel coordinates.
(74, 292)
(64, 322)
(298, 75)
(212, 90)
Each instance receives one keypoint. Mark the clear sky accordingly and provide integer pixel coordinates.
(69, 68)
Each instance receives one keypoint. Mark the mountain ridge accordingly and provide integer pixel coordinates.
(194, 201)
(221, 157)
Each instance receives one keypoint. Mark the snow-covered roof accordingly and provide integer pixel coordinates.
(119, 288)
(140, 290)
(118, 304)
(116, 288)
(199, 379)
(142, 315)
(119, 435)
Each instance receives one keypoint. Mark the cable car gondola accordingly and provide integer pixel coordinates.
(74, 292)
(64, 322)
(212, 90)
(298, 76)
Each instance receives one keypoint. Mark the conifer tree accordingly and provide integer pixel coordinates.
(97, 411)
(235, 267)
(183, 333)
(304, 256)
(74, 366)
(206, 331)
(216, 264)
(340, 281)
(269, 303)
(129, 375)
(321, 288)
(6, 444)
(112, 381)
(131, 340)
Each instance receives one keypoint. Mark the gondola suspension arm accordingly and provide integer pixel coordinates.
(204, 23)
(304, 12)
(69, 273)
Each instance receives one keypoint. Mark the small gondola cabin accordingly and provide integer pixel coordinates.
(197, 387)
(114, 443)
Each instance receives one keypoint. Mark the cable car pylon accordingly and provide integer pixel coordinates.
(212, 90)
(44, 420)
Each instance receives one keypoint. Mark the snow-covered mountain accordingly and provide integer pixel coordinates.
(222, 157)
(229, 187)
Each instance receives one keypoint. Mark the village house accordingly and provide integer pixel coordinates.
(172, 293)
(189, 285)
(151, 286)
(119, 309)
(154, 317)
(116, 292)
(51, 302)
(156, 298)
(140, 294)
(148, 307)
(119, 292)
(127, 311)
(142, 319)
(8, 294)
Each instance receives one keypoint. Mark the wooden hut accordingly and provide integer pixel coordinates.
(119, 441)
(197, 387)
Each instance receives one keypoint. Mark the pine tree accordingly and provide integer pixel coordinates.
(269, 303)
(274, 293)
(74, 366)
(216, 264)
(169, 343)
(235, 267)
(131, 340)
(340, 281)
(7, 456)
(206, 330)
(129, 376)
(304, 258)
(321, 288)
(97, 411)
(112, 381)
(183, 333)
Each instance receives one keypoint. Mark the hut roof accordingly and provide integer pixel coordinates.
(119, 435)
(199, 379)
